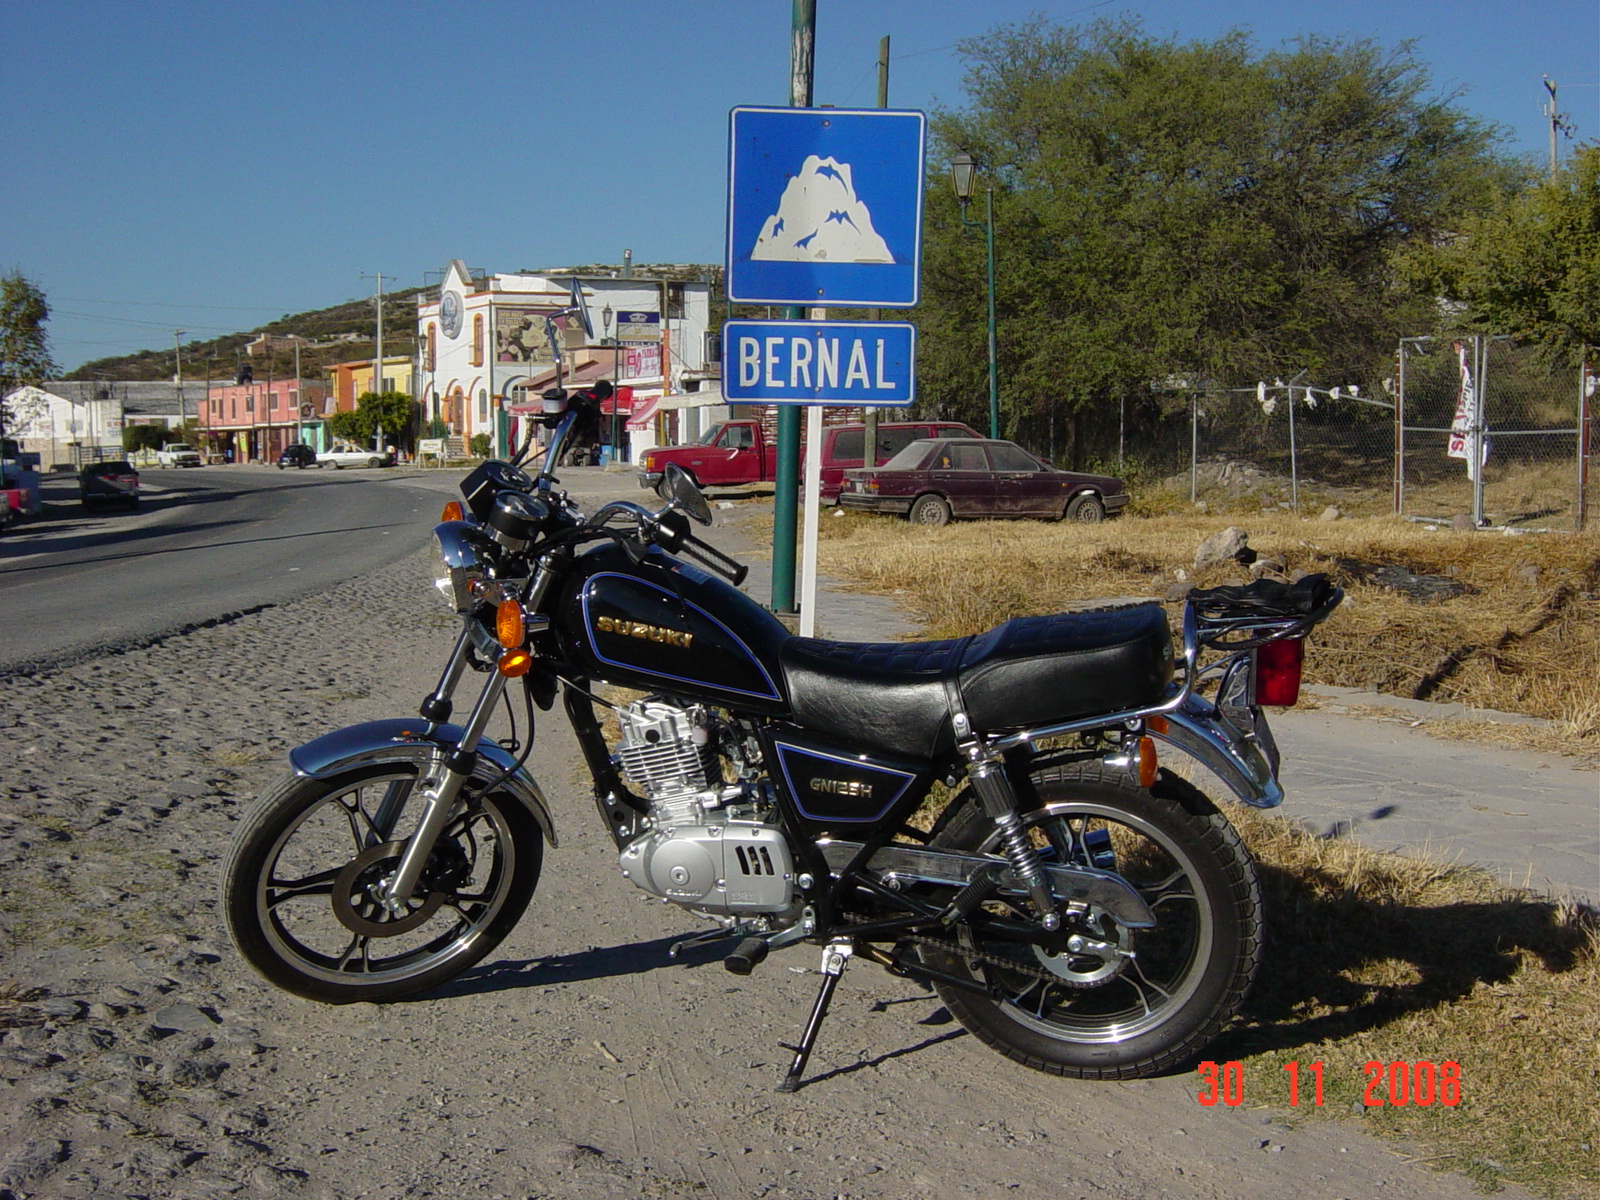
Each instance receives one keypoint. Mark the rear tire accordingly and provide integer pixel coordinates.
(297, 898)
(929, 510)
(1147, 1000)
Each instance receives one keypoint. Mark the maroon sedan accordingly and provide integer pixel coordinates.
(935, 479)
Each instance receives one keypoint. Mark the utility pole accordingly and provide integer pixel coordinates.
(377, 361)
(177, 353)
(1558, 123)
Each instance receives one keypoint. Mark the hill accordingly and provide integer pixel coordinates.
(342, 333)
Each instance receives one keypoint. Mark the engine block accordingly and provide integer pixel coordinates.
(663, 749)
(736, 867)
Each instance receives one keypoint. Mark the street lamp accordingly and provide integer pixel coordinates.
(963, 170)
(605, 321)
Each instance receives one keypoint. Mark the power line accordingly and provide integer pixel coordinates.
(133, 321)
(163, 304)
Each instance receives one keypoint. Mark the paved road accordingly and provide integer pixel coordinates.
(203, 543)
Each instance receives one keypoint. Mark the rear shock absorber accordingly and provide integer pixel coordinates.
(1000, 802)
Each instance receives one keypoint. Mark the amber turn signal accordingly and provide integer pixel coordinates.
(1147, 762)
(508, 626)
(514, 663)
(453, 512)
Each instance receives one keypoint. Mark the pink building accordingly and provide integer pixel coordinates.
(253, 422)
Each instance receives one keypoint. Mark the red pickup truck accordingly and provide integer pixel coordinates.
(734, 453)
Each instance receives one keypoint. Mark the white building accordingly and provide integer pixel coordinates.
(486, 342)
(62, 428)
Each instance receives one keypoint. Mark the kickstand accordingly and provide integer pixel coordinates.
(835, 957)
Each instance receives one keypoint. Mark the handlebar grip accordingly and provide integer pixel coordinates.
(715, 559)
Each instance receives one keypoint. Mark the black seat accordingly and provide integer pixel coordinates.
(895, 696)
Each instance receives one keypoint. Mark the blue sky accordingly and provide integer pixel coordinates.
(213, 165)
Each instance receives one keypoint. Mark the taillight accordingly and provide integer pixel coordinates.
(1278, 671)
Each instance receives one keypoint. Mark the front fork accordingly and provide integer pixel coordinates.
(440, 796)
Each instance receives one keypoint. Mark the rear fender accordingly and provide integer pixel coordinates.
(407, 740)
(1243, 759)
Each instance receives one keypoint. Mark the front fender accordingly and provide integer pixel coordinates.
(1244, 761)
(407, 740)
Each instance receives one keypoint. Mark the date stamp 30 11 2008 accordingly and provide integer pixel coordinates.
(1395, 1083)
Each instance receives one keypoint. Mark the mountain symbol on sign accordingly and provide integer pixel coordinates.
(820, 219)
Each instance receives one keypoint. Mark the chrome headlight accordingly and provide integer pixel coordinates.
(461, 564)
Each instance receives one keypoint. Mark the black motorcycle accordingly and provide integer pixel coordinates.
(984, 814)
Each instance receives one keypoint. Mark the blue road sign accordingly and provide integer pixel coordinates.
(819, 362)
(825, 206)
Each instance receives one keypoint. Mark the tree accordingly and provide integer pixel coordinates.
(393, 412)
(1196, 210)
(24, 346)
(1531, 267)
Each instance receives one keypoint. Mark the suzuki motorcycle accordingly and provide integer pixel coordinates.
(987, 815)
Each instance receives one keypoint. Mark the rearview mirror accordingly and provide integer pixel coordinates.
(681, 491)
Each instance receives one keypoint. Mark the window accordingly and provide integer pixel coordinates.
(477, 340)
(737, 437)
(674, 301)
(848, 444)
(968, 458)
(432, 359)
(483, 405)
(910, 456)
(1012, 458)
(892, 441)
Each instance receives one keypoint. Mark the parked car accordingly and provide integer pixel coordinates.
(298, 455)
(178, 454)
(733, 453)
(347, 454)
(935, 479)
(113, 480)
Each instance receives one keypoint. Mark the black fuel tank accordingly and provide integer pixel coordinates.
(666, 625)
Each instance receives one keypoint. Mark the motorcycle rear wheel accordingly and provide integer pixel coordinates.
(1146, 1000)
(298, 882)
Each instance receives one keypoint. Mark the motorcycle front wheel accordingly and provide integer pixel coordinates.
(299, 886)
(1104, 1001)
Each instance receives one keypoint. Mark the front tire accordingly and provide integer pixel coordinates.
(298, 882)
(1137, 1002)
(1086, 509)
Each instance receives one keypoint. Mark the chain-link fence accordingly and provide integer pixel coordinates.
(1527, 419)
(1493, 431)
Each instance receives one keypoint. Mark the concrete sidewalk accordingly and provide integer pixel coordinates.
(1531, 819)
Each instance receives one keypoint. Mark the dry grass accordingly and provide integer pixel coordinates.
(1372, 957)
(1381, 958)
(1524, 637)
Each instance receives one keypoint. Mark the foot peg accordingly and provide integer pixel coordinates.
(746, 956)
(984, 883)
